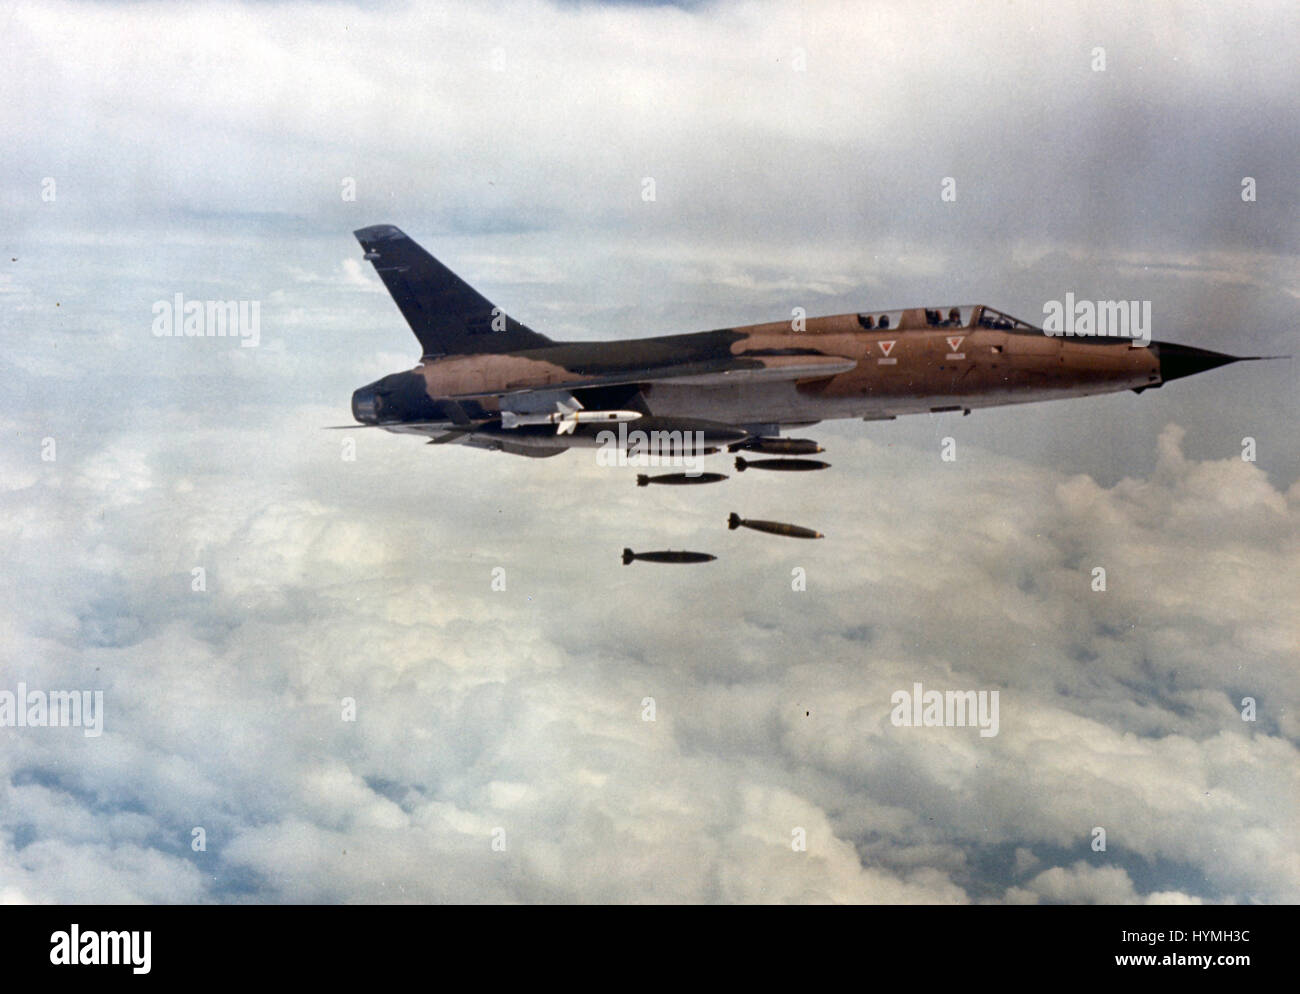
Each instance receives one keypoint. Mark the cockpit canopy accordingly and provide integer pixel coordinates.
(960, 316)
(989, 318)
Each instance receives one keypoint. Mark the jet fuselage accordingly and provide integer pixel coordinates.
(489, 381)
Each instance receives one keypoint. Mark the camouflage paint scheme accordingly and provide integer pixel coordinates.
(732, 383)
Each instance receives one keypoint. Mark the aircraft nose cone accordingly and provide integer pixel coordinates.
(1177, 361)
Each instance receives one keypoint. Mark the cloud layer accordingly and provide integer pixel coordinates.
(523, 709)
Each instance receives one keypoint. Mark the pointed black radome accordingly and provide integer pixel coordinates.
(1177, 361)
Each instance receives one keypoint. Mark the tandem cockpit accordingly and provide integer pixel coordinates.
(962, 316)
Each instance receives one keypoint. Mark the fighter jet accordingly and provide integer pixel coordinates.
(485, 380)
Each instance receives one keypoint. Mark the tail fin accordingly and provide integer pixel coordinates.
(628, 556)
(448, 316)
(642, 480)
(733, 522)
(740, 464)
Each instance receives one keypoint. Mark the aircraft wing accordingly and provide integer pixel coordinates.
(723, 371)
